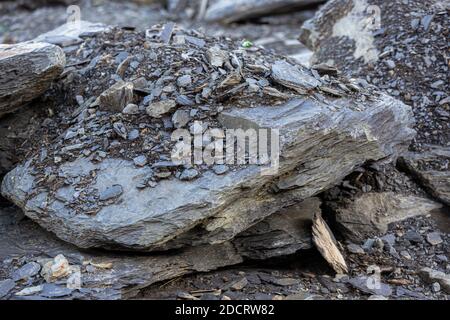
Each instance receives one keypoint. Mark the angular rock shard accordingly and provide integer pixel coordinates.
(325, 242)
(28, 69)
(71, 33)
(359, 37)
(314, 137)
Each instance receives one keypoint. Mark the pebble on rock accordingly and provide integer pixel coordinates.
(27, 271)
(55, 269)
(189, 174)
(111, 192)
(434, 238)
(220, 169)
(131, 109)
(184, 81)
(116, 97)
(354, 248)
(140, 161)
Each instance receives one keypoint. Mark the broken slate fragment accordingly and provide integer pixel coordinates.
(180, 118)
(117, 97)
(184, 100)
(325, 242)
(111, 192)
(370, 214)
(120, 129)
(166, 32)
(371, 286)
(355, 249)
(55, 269)
(160, 108)
(133, 134)
(6, 286)
(434, 238)
(184, 81)
(131, 109)
(30, 291)
(239, 284)
(27, 271)
(140, 161)
(189, 174)
(216, 56)
(292, 77)
(220, 169)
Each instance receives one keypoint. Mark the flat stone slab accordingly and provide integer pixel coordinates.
(28, 69)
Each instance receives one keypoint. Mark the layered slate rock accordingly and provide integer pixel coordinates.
(236, 10)
(119, 276)
(320, 145)
(28, 69)
(370, 214)
(107, 181)
(400, 47)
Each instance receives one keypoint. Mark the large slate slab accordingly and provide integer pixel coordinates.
(320, 143)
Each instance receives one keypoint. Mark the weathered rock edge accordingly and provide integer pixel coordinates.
(27, 70)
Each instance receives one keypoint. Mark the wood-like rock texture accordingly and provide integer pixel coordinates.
(27, 70)
(325, 242)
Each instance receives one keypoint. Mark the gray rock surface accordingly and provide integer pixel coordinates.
(235, 10)
(6, 286)
(28, 69)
